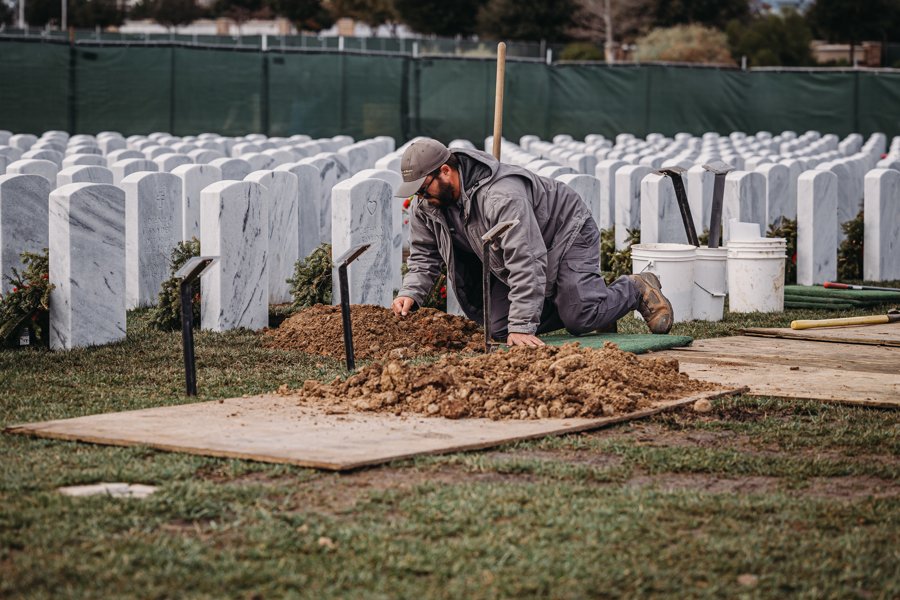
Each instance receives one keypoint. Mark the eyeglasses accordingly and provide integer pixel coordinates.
(422, 194)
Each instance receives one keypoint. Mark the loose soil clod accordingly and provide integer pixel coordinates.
(522, 383)
(377, 332)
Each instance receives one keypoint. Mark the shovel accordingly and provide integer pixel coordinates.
(893, 316)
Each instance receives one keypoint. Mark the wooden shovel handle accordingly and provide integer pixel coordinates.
(872, 320)
(498, 99)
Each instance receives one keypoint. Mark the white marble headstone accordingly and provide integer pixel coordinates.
(77, 160)
(661, 221)
(357, 157)
(87, 265)
(390, 162)
(700, 183)
(588, 189)
(203, 156)
(194, 178)
(628, 201)
(401, 228)
(817, 242)
(34, 166)
(881, 245)
(23, 141)
(153, 223)
(309, 203)
(744, 200)
(124, 168)
(84, 174)
(777, 185)
(281, 195)
(606, 173)
(233, 168)
(168, 162)
(331, 171)
(23, 221)
(362, 214)
(234, 226)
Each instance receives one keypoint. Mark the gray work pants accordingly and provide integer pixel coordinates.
(582, 302)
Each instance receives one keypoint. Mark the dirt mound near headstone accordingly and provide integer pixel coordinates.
(521, 383)
(377, 332)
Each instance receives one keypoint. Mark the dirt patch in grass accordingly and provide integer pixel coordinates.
(701, 482)
(851, 488)
(521, 383)
(586, 458)
(836, 488)
(377, 333)
(339, 493)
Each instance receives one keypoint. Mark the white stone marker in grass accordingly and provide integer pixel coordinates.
(153, 225)
(280, 194)
(234, 223)
(87, 265)
(817, 241)
(881, 249)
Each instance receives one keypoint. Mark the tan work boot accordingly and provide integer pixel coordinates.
(653, 306)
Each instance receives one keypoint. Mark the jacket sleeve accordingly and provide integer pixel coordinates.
(424, 263)
(524, 256)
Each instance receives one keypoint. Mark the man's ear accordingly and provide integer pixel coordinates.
(446, 170)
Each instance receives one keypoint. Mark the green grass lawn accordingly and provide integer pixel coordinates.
(759, 498)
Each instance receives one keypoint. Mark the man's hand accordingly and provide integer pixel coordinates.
(523, 339)
(402, 305)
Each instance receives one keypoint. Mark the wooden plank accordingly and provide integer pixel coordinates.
(846, 373)
(799, 353)
(887, 334)
(276, 429)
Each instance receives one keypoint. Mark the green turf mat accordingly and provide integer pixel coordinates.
(638, 343)
(867, 297)
(824, 301)
(819, 305)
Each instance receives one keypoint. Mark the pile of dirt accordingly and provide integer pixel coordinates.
(522, 383)
(377, 332)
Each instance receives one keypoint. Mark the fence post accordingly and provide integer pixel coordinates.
(72, 116)
(172, 89)
(264, 92)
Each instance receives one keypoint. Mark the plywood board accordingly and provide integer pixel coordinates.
(276, 429)
(848, 373)
(887, 334)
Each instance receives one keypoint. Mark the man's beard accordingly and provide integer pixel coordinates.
(445, 195)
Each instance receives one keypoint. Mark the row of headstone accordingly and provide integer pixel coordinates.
(161, 208)
(634, 194)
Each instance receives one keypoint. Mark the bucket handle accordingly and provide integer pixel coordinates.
(713, 294)
(647, 266)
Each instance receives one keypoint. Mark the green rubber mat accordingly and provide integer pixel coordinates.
(817, 297)
(638, 343)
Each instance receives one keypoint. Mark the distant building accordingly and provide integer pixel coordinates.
(776, 6)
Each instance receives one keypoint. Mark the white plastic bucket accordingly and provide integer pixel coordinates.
(674, 265)
(756, 275)
(709, 284)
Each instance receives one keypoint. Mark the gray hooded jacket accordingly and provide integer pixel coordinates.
(550, 214)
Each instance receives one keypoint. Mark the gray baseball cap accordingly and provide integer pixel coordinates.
(419, 159)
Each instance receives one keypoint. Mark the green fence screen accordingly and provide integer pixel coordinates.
(184, 90)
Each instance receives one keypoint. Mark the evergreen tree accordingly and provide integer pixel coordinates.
(713, 13)
(526, 19)
(306, 15)
(852, 21)
(772, 40)
(439, 17)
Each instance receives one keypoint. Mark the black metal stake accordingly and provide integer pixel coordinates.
(187, 339)
(721, 170)
(189, 273)
(488, 239)
(344, 284)
(675, 173)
